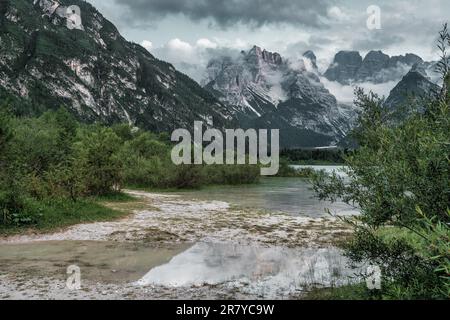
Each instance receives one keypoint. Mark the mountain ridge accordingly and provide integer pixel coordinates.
(94, 71)
(267, 91)
(376, 67)
(46, 62)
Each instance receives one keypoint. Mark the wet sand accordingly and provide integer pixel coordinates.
(107, 262)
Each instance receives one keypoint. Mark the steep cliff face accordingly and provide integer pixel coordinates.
(248, 82)
(349, 67)
(414, 86)
(311, 57)
(48, 58)
(51, 55)
(344, 67)
(268, 91)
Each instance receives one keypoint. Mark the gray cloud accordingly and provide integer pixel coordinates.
(377, 39)
(192, 59)
(254, 13)
(289, 27)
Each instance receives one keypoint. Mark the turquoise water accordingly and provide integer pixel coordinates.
(289, 195)
(328, 169)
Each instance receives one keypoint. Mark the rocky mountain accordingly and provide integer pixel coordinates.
(249, 82)
(349, 67)
(267, 91)
(52, 55)
(416, 84)
(49, 57)
(344, 67)
(311, 58)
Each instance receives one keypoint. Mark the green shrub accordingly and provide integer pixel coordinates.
(11, 206)
(98, 162)
(400, 179)
(286, 170)
(52, 161)
(147, 163)
(231, 174)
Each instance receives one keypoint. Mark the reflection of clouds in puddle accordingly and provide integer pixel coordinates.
(267, 272)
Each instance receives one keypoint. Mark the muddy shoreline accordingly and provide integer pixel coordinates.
(166, 224)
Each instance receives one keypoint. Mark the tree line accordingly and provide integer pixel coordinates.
(54, 157)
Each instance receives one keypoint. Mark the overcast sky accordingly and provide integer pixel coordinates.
(187, 31)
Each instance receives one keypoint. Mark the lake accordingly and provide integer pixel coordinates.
(194, 244)
(289, 195)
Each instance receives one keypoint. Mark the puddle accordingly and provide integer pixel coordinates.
(109, 262)
(223, 268)
(273, 272)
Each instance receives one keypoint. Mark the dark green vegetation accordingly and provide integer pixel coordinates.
(287, 171)
(55, 170)
(347, 292)
(400, 177)
(314, 156)
(51, 214)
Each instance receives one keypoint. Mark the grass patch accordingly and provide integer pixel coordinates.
(114, 197)
(184, 190)
(316, 163)
(53, 215)
(391, 234)
(160, 190)
(348, 292)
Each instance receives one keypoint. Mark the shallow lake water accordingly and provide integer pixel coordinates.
(289, 195)
(112, 262)
(270, 272)
(266, 272)
(339, 170)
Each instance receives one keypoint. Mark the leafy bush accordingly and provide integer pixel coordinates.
(97, 161)
(313, 156)
(147, 163)
(54, 159)
(231, 174)
(11, 205)
(286, 170)
(397, 169)
(400, 179)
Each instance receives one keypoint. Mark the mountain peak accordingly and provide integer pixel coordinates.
(344, 67)
(311, 57)
(419, 68)
(376, 53)
(373, 63)
(413, 86)
(376, 67)
(255, 50)
(268, 93)
(257, 54)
